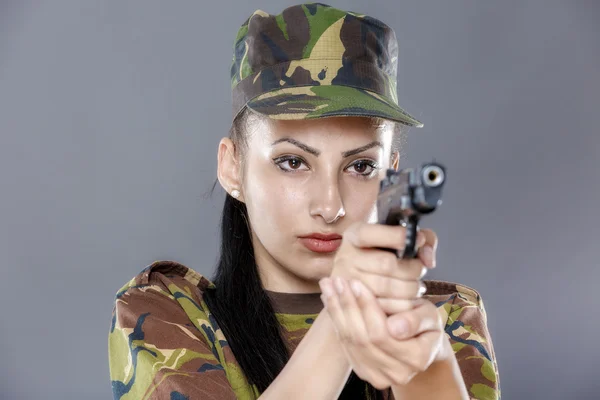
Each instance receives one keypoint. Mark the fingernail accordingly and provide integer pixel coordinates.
(355, 288)
(339, 285)
(422, 289)
(399, 327)
(428, 251)
(326, 287)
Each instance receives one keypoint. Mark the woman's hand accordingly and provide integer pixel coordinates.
(383, 351)
(395, 282)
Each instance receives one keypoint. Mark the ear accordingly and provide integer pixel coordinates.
(395, 160)
(228, 167)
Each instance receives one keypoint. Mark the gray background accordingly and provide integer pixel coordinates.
(110, 116)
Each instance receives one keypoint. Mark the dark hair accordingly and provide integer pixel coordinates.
(239, 303)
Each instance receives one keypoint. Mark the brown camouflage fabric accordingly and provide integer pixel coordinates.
(315, 61)
(165, 344)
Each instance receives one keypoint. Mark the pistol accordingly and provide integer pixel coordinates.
(406, 195)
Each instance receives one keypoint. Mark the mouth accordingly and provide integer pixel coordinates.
(321, 243)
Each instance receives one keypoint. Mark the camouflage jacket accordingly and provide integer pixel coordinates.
(164, 343)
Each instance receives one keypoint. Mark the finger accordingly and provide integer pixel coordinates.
(355, 325)
(427, 253)
(366, 235)
(387, 264)
(333, 308)
(395, 306)
(373, 316)
(421, 238)
(422, 318)
(414, 352)
(431, 238)
(369, 361)
(386, 287)
(375, 322)
(420, 351)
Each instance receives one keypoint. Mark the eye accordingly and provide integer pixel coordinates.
(289, 163)
(364, 168)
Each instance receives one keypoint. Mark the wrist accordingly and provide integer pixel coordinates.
(442, 380)
(334, 345)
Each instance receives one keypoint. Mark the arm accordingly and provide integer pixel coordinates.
(471, 342)
(155, 352)
(319, 350)
(441, 381)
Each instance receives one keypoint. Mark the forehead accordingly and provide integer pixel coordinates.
(343, 129)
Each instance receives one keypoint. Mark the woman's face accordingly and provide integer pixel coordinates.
(309, 176)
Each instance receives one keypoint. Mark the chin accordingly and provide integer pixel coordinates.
(311, 265)
(319, 267)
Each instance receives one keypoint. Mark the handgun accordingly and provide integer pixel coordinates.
(406, 195)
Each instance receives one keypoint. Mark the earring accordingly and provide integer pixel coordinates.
(235, 193)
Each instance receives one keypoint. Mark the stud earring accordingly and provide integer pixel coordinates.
(235, 193)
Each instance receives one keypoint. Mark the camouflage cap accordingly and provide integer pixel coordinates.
(315, 61)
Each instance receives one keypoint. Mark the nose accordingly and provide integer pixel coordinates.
(327, 202)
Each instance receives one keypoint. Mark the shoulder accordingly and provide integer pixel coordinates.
(163, 272)
(164, 291)
(462, 309)
(451, 296)
(451, 290)
(456, 301)
(163, 339)
(164, 304)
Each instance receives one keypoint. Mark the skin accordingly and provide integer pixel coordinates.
(317, 190)
(412, 355)
(299, 173)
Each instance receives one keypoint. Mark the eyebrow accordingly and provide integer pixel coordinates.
(316, 152)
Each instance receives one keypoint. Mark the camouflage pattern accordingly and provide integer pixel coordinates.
(466, 327)
(315, 61)
(165, 344)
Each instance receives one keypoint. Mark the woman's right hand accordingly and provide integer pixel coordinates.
(394, 281)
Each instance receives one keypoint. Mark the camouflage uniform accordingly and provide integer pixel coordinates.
(165, 344)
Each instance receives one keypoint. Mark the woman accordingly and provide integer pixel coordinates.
(303, 305)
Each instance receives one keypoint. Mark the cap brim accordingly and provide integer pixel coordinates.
(309, 102)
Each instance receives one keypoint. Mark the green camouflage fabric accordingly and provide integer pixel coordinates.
(315, 61)
(164, 342)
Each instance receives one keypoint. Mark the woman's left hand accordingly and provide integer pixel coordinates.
(372, 342)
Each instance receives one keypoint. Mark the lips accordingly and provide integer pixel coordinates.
(323, 236)
(321, 243)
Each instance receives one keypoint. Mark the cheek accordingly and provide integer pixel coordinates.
(273, 203)
(360, 201)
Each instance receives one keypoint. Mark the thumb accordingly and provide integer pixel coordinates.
(406, 324)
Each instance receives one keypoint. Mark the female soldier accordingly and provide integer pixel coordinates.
(315, 126)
